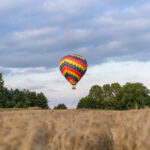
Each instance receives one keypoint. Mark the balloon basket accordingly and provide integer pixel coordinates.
(73, 87)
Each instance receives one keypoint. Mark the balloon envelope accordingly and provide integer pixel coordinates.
(73, 67)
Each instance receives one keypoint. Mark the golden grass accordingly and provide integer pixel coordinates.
(75, 130)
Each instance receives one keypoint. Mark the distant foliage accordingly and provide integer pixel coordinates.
(60, 106)
(116, 97)
(20, 99)
(88, 102)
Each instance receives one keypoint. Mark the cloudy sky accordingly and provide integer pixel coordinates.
(113, 36)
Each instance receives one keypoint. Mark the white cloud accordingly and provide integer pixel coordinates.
(57, 89)
(33, 33)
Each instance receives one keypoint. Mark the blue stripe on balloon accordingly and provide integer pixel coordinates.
(82, 60)
(72, 76)
(72, 66)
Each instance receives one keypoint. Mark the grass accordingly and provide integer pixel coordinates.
(74, 130)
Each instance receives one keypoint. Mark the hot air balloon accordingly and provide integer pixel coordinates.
(73, 67)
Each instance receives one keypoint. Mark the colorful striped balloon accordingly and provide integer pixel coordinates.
(73, 67)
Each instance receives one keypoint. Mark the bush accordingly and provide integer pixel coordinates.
(60, 106)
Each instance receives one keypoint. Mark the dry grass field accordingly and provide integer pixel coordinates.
(74, 130)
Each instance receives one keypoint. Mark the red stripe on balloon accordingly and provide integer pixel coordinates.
(72, 70)
(62, 59)
(70, 78)
(76, 61)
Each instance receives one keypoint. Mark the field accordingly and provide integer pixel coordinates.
(74, 130)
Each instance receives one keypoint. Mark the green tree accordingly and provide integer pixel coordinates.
(115, 88)
(2, 101)
(110, 104)
(116, 97)
(7, 99)
(132, 95)
(60, 106)
(32, 96)
(20, 99)
(42, 101)
(87, 102)
(107, 91)
(96, 92)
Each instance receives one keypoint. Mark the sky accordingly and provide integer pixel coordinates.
(113, 36)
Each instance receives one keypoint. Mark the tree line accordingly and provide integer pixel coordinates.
(109, 96)
(20, 98)
(116, 97)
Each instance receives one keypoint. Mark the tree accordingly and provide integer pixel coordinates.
(132, 95)
(2, 101)
(1, 81)
(116, 97)
(20, 99)
(8, 102)
(60, 106)
(107, 91)
(42, 101)
(87, 102)
(32, 97)
(115, 88)
(96, 92)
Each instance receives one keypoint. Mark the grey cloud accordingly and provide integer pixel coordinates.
(9, 4)
(99, 34)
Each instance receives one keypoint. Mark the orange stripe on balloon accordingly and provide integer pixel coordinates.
(73, 70)
(71, 80)
(74, 62)
(77, 61)
(66, 69)
(78, 56)
(62, 61)
(69, 72)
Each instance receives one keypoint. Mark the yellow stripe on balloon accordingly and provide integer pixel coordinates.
(72, 82)
(72, 73)
(62, 62)
(76, 64)
(78, 56)
(73, 63)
